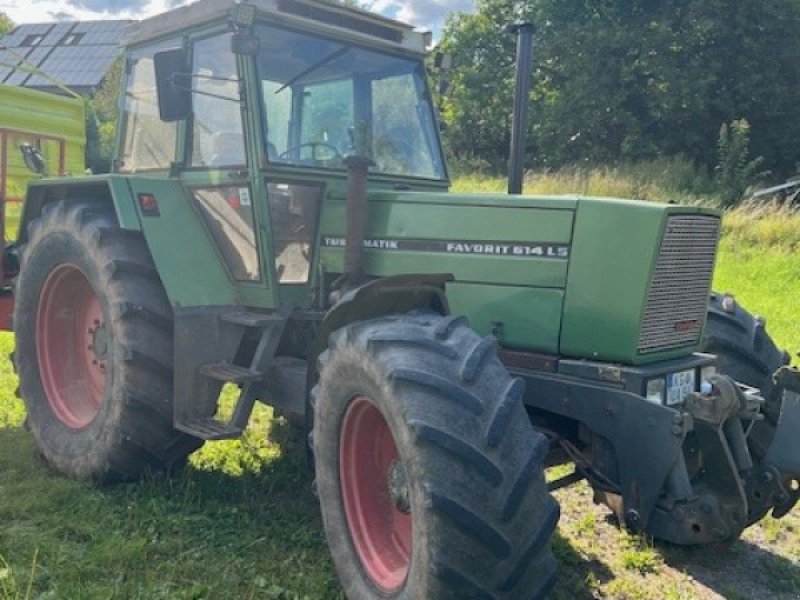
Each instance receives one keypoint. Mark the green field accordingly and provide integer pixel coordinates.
(241, 520)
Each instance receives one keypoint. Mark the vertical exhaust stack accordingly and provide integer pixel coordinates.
(519, 122)
(357, 216)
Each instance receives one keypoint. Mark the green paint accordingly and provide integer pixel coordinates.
(113, 187)
(520, 317)
(613, 257)
(459, 218)
(186, 257)
(52, 122)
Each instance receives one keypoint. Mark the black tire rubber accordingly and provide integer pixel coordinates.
(482, 515)
(746, 351)
(132, 433)
(748, 354)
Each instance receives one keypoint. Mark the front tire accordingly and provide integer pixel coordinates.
(428, 471)
(94, 347)
(746, 353)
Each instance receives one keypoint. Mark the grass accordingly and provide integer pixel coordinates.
(665, 179)
(240, 521)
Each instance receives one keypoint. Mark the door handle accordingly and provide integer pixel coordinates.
(240, 174)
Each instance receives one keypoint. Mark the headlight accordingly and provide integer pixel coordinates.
(656, 388)
(705, 376)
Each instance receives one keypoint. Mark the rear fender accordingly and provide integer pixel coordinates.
(187, 259)
(109, 188)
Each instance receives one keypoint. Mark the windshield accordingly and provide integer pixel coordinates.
(325, 100)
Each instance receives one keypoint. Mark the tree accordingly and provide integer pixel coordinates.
(6, 24)
(102, 114)
(735, 170)
(477, 105)
(629, 79)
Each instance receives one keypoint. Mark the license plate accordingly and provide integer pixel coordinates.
(679, 385)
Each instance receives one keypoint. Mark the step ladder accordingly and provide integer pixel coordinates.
(250, 378)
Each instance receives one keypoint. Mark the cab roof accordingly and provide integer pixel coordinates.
(325, 16)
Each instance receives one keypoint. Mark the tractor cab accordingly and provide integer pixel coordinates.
(255, 112)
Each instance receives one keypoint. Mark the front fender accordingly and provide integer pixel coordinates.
(378, 298)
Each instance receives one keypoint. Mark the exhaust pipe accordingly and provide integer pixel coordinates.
(357, 216)
(519, 120)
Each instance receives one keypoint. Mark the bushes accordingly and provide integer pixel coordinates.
(735, 171)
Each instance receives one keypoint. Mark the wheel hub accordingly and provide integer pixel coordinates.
(398, 487)
(99, 343)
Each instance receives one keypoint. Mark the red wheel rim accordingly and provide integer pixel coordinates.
(375, 494)
(71, 346)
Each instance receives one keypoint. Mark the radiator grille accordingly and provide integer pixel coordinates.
(678, 295)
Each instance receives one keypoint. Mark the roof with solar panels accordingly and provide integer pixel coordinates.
(75, 54)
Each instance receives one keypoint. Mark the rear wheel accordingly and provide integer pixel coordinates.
(428, 470)
(94, 347)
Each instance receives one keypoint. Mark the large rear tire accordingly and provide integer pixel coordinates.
(428, 471)
(94, 347)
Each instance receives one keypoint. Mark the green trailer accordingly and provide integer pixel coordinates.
(53, 125)
(278, 218)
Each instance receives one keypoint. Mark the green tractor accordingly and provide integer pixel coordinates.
(279, 218)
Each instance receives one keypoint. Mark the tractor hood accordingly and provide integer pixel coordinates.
(606, 279)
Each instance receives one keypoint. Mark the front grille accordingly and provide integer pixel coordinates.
(678, 295)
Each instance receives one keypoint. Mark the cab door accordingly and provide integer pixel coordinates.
(219, 172)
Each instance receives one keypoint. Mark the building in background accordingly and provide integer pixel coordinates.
(76, 54)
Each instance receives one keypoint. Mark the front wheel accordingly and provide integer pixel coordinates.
(94, 347)
(746, 353)
(429, 473)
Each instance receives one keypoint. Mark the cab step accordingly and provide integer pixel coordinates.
(253, 319)
(209, 428)
(227, 372)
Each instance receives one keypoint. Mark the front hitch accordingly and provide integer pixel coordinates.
(783, 456)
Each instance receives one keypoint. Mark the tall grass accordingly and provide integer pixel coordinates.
(771, 225)
(674, 179)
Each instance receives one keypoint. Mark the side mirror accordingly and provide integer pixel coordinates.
(173, 84)
(33, 159)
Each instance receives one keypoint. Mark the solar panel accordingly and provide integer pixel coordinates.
(78, 54)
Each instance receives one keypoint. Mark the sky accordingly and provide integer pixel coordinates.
(426, 14)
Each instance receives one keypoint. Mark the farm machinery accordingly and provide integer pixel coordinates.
(38, 131)
(278, 218)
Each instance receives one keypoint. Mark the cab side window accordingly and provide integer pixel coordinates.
(217, 131)
(148, 142)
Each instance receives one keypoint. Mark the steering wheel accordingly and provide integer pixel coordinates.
(313, 145)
